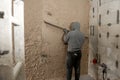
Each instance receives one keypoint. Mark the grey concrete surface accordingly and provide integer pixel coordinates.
(83, 77)
(5, 72)
(86, 77)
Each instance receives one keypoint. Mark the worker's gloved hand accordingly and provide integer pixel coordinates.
(65, 31)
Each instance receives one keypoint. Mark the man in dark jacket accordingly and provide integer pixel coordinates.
(74, 39)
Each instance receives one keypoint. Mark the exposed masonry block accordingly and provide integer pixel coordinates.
(109, 19)
(110, 6)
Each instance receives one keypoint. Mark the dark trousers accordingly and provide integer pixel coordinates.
(73, 61)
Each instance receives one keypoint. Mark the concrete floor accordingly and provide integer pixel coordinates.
(83, 77)
(86, 77)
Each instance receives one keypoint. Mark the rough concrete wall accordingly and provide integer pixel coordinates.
(54, 50)
(108, 43)
(45, 51)
(33, 41)
(108, 39)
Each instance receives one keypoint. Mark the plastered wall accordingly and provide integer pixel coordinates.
(12, 40)
(6, 33)
(63, 12)
(45, 51)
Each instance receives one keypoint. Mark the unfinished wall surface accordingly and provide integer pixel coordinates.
(33, 40)
(108, 39)
(45, 51)
(93, 39)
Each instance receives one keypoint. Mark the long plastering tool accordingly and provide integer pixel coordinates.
(56, 26)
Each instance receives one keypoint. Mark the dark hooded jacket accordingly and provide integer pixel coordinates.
(74, 38)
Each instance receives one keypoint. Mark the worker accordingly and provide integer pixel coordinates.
(74, 39)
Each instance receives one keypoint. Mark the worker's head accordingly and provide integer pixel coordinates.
(75, 26)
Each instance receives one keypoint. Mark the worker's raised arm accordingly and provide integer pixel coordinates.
(66, 36)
